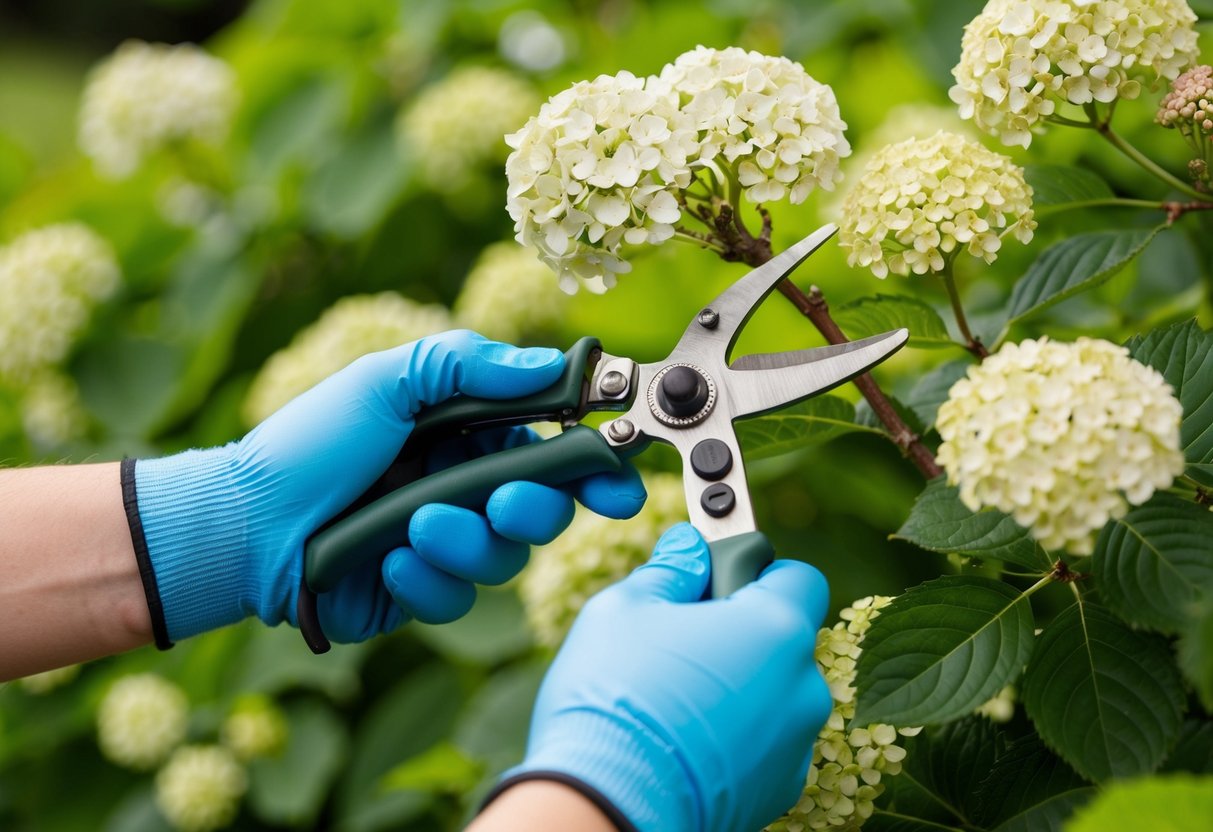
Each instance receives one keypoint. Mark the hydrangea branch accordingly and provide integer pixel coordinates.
(971, 343)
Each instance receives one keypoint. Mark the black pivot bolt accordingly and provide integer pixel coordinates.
(682, 392)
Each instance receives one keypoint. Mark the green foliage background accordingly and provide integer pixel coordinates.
(166, 364)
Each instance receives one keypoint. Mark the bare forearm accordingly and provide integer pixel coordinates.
(69, 583)
(541, 806)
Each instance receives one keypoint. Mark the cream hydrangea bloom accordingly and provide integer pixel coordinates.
(1000, 707)
(763, 115)
(509, 294)
(1020, 58)
(1063, 437)
(43, 683)
(256, 727)
(849, 761)
(141, 719)
(920, 200)
(51, 411)
(600, 165)
(349, 329)
(50, 279)
(593, 553)
(147, 95)
(200, 787)
(457, 124)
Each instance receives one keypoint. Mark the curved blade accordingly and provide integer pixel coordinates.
(761, 383)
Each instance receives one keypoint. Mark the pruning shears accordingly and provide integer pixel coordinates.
(689, 399)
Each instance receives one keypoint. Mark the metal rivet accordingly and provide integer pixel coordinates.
(621, 430)
(709, 318)
(613, 383)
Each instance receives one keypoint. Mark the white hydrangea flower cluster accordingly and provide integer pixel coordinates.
(765, 115)
(1063, 437)
(51, 278)
(509, 294)
(43, 683)
(1000, 707)
(456, 125)
(256, 727)
(141, 719)
(1020, 58)
(349, 329)
(607, 162)
(148, 95)
(849, 761)
(200, 788)
(593, 553)
(51, 411)
(920, 200)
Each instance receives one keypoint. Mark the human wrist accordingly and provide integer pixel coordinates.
(639, 773)
(193, 522)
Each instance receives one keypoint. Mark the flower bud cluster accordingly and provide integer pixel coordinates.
(593, 553)
(199, 789)
(920, 200)
(509, 295)
(455, 125)
(1000, 707)
(1188, 107)
(256, 727)
(1020, 58)
(849, 761)
(148, 95)
(608, 162)
(349, 329)
(141, 719)
(1063, 437)
(51, 411)
(51, 278)
(43, 683)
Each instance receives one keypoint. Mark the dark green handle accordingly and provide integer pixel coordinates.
(374, 530)
(737, 560)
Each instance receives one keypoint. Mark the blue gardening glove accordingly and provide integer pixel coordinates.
(225, 527)
(686, 715)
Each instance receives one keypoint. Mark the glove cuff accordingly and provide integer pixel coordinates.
(195, 535)
(624, 764)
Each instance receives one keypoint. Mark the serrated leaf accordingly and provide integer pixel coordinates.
(1171, 803)
(1026, 774)
(1196, 655)
(1193, 750)
(941, 649)
(1106, 698)
(1049, 815)
(1154, 565)
(289, 789)
(442, 769)
(1054, 185)
(884, 313)
(1075, 265)
(1183, 353)
(889, 820)
(940, 522)
(930, 391)
(950, 761)
(812, 421)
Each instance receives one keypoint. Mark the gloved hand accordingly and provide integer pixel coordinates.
(682, 714)
(225, 527)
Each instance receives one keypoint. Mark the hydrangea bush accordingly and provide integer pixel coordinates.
(1020, 498)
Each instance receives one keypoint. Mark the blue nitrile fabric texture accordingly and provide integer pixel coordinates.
(687, 714)
(225, 527)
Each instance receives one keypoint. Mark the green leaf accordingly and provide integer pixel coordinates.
(1183, 353)
(949, 762)
(1170, 803)
(812, 421)
(288, 790)
(443, 769)
(865, 416)
(940, 522)
(1049, 815)
(277, 659)
(891, 820)
(1025, 775)
(1075, 265)
(1196, 654)
(1193, 750)
(941, 649)
(883, 313)
(1054, 185)
(494, 724)
(352, 191)
(1108, 699)
(1154, 564)
(931, 390)
(494, 630)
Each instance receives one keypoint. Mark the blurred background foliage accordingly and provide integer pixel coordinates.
(315, 198)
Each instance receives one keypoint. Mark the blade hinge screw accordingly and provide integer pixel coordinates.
(709, 318)
(621, 430)
(613, 383)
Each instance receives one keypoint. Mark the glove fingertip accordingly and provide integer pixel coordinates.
(801, 584)
(618, 495)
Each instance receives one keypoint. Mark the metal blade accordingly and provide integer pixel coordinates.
(761, 383)
(734, 306)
